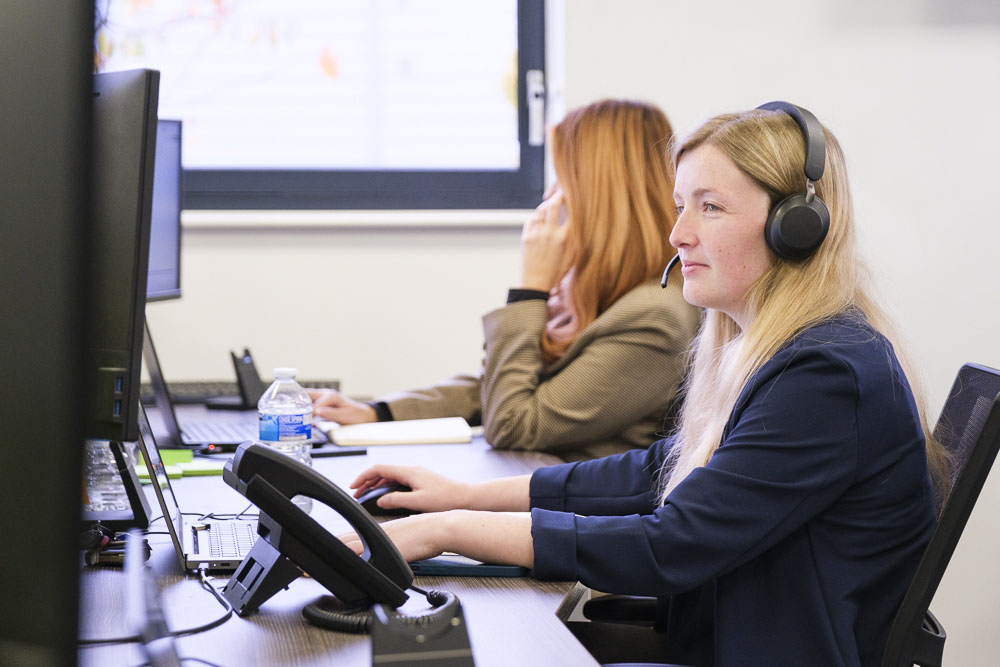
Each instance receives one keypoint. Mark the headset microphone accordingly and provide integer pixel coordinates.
(671, 264)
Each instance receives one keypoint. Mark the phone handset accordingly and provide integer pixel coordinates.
(292, 542)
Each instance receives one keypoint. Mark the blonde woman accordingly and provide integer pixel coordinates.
(781, 524)
(586, 357)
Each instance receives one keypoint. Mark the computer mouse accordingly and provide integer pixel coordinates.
(369, 501)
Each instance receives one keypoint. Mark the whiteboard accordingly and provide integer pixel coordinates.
(327, 84)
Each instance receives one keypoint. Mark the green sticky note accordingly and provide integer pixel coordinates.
(202, 467)
(175, 456)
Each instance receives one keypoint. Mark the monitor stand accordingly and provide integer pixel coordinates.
(251, 386)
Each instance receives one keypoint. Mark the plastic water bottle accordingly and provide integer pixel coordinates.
(104, 488)
(285, 414)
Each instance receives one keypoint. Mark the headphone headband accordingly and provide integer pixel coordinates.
(812, 131)
(797, 225)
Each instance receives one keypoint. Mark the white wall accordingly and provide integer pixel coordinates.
(378, 309)
(910, 88)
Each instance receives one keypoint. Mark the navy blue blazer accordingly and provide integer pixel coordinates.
(795, 544)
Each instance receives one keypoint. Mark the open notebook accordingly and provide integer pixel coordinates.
(443, 430)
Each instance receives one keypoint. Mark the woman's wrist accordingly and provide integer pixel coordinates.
(542, 282)
(452, 525)
(381, 410)
(492, 537)
(466, 496)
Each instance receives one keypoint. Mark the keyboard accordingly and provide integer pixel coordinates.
(198, 391)
(231, 540)
(221, 430)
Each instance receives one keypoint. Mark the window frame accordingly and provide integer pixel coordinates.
(339, 189)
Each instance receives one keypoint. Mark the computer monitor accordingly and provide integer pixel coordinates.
(45, 74)
(124, 141)
(164, 280)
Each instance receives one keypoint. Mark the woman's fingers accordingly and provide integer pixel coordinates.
(384, 473)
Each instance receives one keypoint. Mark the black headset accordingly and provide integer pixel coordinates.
(797, 225)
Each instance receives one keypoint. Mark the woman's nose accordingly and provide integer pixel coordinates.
(681, 233)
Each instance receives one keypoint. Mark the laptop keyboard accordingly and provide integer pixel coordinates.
(220, 431)
(231, 432)
(184, 392)
(232, 539)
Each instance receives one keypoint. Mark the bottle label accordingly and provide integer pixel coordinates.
(274, 428)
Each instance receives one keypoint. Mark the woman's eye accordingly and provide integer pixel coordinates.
(680, 209)
(711, 207)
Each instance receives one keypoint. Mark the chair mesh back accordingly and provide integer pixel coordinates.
(965, 412)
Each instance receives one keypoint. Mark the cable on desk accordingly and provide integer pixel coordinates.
(358, 620)
(207, 585)
(245, 511)
(224, 517)
(88, 643)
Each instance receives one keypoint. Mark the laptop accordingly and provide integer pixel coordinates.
(210, 544)
(222, 432)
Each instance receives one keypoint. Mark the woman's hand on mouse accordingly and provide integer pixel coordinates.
(331, 404)
(430, 492)
(543, 245)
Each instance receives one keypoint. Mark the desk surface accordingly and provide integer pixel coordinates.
(511, 621)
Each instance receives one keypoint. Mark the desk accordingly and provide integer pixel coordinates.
(510, 621)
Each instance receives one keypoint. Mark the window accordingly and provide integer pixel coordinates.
(356, 104)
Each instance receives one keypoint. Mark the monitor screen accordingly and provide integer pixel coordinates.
(164, 280)
(124, 140)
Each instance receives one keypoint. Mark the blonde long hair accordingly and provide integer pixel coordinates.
(610, 162)
(788, 298)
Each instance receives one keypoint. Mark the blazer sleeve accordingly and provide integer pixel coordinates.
(791, 449)
(621, 370)
(455, 397)
(586, 487)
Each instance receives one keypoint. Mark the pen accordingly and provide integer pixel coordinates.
(322, 452)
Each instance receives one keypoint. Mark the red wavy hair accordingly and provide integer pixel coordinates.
(611, 165)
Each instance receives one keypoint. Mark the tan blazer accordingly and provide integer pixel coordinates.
(608, 393)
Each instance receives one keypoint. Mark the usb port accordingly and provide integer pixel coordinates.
(118, 408)
(119, 383)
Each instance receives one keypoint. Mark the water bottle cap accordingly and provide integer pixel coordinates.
(285, 372)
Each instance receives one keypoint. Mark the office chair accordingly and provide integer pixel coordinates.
(969, 428)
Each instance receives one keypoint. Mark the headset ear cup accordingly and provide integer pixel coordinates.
(795, 228)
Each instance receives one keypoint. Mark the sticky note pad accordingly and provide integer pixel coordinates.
(174, 456)
(201, 467)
